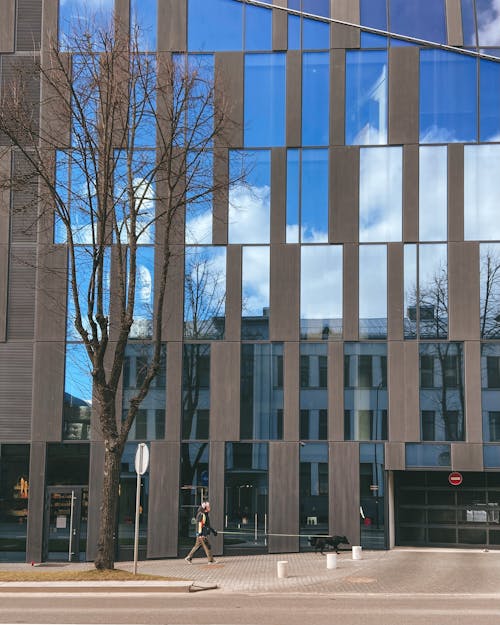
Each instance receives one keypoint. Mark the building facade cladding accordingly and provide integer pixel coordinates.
(351, 334)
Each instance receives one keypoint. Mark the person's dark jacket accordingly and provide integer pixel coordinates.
(203, 527)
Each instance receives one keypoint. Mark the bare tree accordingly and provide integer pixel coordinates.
(103, 105)
(490, 291)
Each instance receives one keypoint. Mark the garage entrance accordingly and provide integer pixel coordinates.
(431, 512)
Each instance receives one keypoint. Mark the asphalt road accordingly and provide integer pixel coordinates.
(218, 608)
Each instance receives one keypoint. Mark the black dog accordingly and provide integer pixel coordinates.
(320, 542)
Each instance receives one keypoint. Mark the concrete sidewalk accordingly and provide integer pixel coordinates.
(397, 572)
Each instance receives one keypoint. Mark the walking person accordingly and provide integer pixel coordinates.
(203, 530)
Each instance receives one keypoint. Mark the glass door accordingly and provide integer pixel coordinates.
(65, 523)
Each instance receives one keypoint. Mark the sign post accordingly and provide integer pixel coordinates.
(141, 466)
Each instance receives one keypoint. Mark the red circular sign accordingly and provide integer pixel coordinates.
(455, 478)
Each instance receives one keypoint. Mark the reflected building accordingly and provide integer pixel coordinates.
(332, 338)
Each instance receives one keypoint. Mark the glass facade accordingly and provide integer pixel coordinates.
(313, 491)
(196, 392)
(313, 391)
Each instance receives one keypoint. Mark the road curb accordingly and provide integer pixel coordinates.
(98, 587)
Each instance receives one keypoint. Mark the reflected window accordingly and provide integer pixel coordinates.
(448, 97)
(381, 195)
(442, 403)
(418, 455)
(258, 28)
(77, 406)
(373, 291)
(14, 498)
(321, 292)
(313, 391)
(490, 391)
(215, 26)
(313, 491)
(149, 423)
(142, 326)
(424, 19)
(195, 391)
(261, 395)
(144, 16)
(372, 495)
(250, 197)
(366, 97)
(204, 292)
(433, 193)
(489, 310)
(365, 391)
(481, 213)
(410, 291)
(489, 101)
(264, 108)
(255, 293)
(315, 98)
(432, 312)
(488, 22)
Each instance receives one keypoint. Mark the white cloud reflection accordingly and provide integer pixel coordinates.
(249, 214)
(488, 22)
(481, 191)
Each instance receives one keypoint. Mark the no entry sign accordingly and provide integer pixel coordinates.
(455, 478)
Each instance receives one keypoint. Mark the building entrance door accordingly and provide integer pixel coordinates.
(65, 531)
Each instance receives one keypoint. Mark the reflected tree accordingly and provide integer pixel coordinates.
(490, 291)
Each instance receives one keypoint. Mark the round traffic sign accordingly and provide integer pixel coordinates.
(141, 459)
(455, 478)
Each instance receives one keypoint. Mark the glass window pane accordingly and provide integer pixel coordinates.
(433, 291)
(372, 291)
(321, 292)
(372, 495)
(195, 391)
(315, 34)
(448, 97)
(433, 193)
(293, 32)
(194, 488)
(489, 101)
(316, 7)
(14, 495)
(369, 40)
(258, 28)
(250, 197)
(424, 19)
(199, 205)
(489, 263)
(313, 491)
(488, 17)
(315, 98)
(255, 293)
(265, 91)
(381, 194)
(77, 407)
(410, 291)
(204, 292)
(366, 97)
(292, 195)
(215, 25)
(145, 15)
(374, 13)
(481, 185)
(144, 294)
(490, 391)
(314, 196)
(418, 455)
(75, 17)
(313, 391)
(469, 23)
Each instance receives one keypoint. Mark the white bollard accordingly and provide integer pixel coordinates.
(357, 553)
(331, 560)
(282, 568)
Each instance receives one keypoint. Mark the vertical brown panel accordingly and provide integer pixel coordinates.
(454, 23)
(351, 292)
(163, 496)
(48, 391)
(345, 36)
(278, 195)
(412, 391)
(455, 192)
(410, 192)
(293, 98)
(5, 162)
(216, 482)
(395, 291)
(335, 391)
(467, 457)
(36, 503)
(174, 391)
(397, 391)
(283, 497)
(51, 293)
(7, 11)
(172, 29)
(221, 199)
(50, 26)
(16, 375)
(225, 391)
(473, 416)
(337, 95)
(344, 195)
(21, 309)
(280, 26)
(463, 284)
(173, 311)
(403, 95)
(344, 490)
(96, 478)
(394, 454)
(28, 25)
(284, 313)
(292, 391)
(229, 78)
(233, 293)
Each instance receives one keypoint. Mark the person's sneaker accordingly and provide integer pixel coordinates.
(212, 562)
(188, 560)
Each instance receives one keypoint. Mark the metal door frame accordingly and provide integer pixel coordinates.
(76, 525)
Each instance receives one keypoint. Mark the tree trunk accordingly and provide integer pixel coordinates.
(105, 558)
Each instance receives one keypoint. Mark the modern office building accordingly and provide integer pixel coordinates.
(347, 357)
